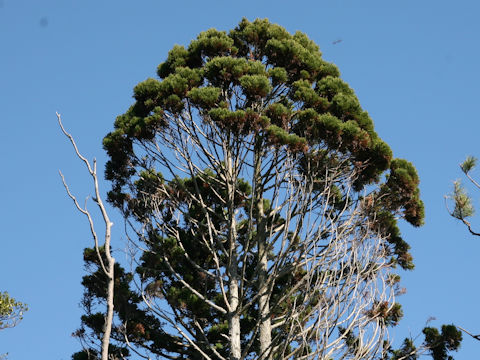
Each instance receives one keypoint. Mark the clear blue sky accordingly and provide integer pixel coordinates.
(414, 65)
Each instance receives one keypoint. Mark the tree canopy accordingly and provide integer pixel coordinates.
(262, 205)
(261, 80)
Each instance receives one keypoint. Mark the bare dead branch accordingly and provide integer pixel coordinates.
(107, 268)
(476, 337)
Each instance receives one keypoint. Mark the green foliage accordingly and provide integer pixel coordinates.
(439, 344)
(177, 57)
(141, 326)
(11, 311)
(468, 165)
(233, 121)
(463, 203)
(221, 71)
(386, 312)
(257, 85)
(279, 115)
(278, 75)
(408, 351)
(436, 344)
(401, 191)
(279, 136)
(208, 44)
(350, 339)
(206, 97)
(254, 59)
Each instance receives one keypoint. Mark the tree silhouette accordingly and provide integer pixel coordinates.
(261, 204)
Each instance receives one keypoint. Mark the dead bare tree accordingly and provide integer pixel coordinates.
(103, 250)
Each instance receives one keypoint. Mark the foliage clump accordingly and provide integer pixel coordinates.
(11, 310)
(285, 92)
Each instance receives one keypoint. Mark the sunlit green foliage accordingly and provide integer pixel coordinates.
(468, 165)
(11, 311)
(463, 203)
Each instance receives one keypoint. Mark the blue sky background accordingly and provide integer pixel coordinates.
(415, 68)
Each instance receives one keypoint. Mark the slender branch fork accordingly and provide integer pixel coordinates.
(463, 220)
(476, 337)
(108, 266)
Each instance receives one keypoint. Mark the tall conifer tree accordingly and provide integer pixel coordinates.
(263, 203)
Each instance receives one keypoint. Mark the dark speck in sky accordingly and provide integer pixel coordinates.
(43, 21)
